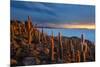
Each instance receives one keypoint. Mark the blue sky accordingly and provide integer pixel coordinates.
(53, 13)
(56, 15)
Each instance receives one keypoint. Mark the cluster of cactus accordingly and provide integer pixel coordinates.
(28, 30)
(45, 48)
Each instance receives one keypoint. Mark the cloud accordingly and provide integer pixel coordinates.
(53, 13)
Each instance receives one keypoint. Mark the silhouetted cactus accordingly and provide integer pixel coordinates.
(84, 48)
(82, 42)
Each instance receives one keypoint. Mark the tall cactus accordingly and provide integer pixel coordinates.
(52, 47)
(60, 46)
(35, 34)
(43, 37)
(82, 42)
(77, 56)
(83, 48)
(29, 30)
(39, 37)
(84, 51)
(72, 51)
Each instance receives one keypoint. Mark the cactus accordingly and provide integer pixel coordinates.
(45, 40)
(15, 27)
(60, 46)
(77, 56)
(43, 37)
(20, 32)
(72, 51)
(52, 47)
(12, 31)
(33, 33)
(36, 36)
(29, 30)
(83, 48)
(84, 51)
(82, 42)
(22, 27)
(39, 37)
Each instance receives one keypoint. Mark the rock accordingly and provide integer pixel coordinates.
(29, 61)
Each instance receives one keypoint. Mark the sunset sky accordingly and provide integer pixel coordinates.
(55, 15)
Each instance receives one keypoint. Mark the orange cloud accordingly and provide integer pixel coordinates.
(80, 26)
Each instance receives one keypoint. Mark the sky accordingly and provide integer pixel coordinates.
(54, 14)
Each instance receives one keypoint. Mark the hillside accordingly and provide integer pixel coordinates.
(29, 46)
